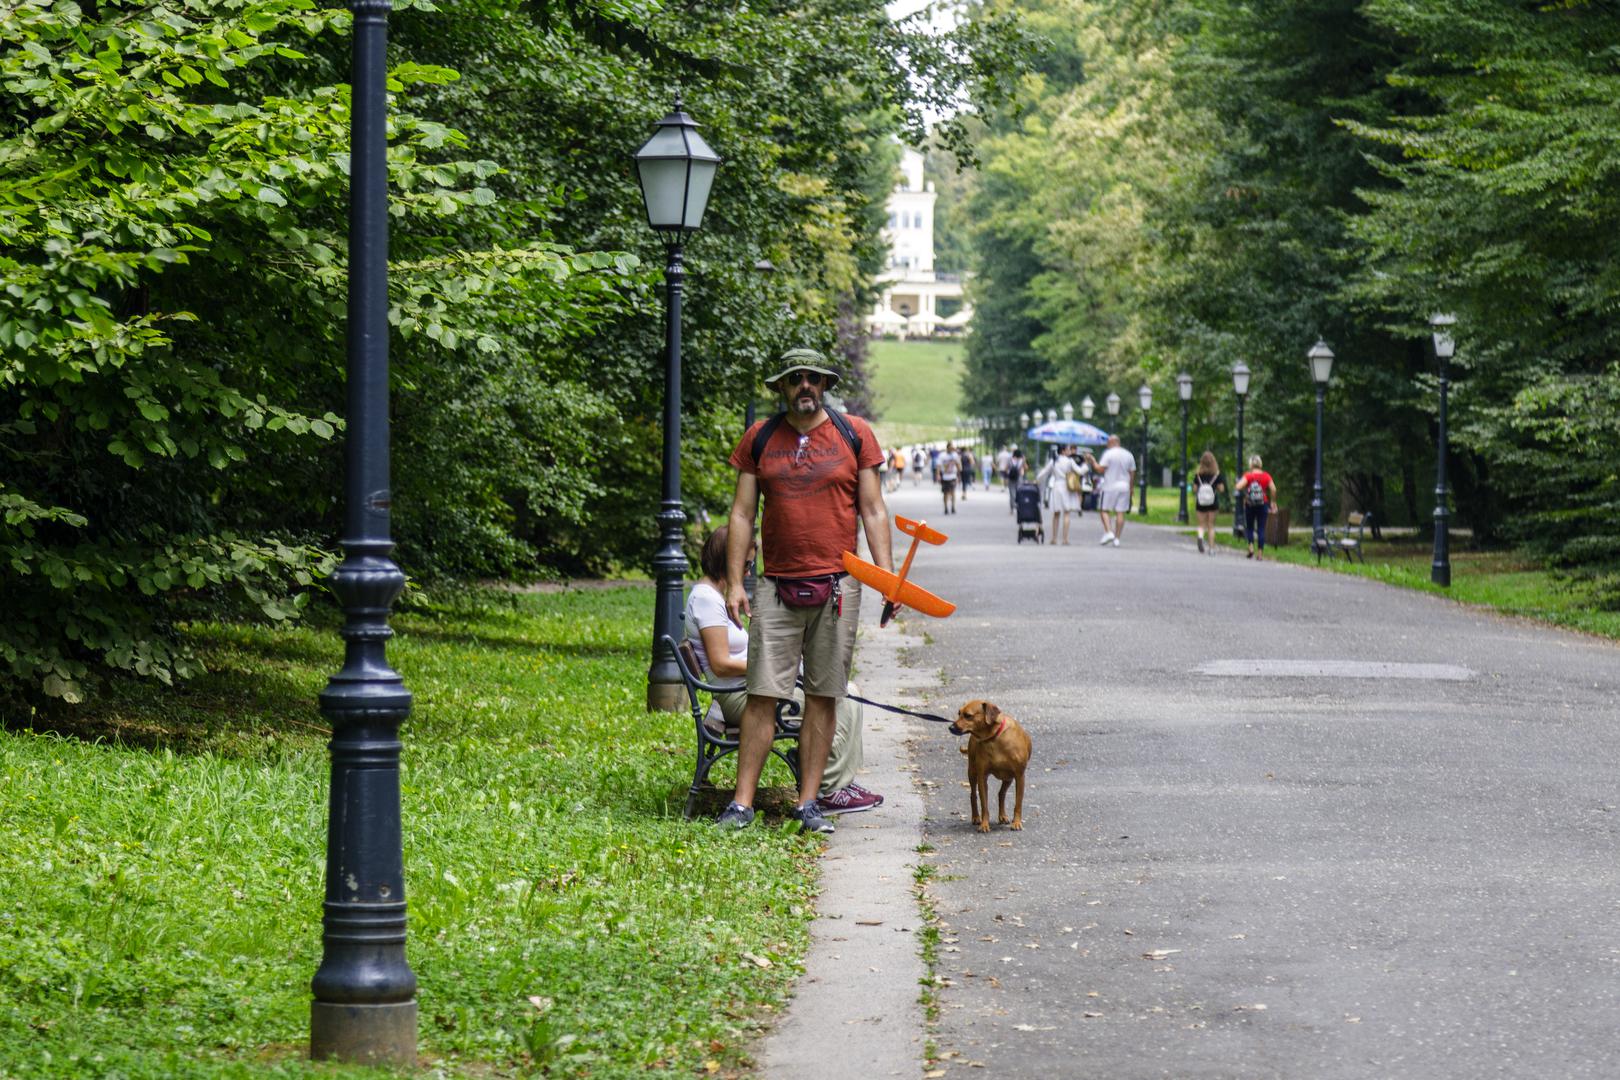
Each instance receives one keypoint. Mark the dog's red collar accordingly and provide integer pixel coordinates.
(999, 729)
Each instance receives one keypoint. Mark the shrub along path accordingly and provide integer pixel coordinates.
(161, 866)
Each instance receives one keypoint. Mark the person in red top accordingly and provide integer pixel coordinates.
(1259, 495)
(818, 472)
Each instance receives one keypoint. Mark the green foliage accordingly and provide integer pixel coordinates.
(1235, 180)
(173, 265)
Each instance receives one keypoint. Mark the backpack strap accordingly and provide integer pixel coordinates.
(768, 428)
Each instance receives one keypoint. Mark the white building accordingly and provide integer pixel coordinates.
(916, 302)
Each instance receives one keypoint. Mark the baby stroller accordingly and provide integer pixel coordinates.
(1027, 500)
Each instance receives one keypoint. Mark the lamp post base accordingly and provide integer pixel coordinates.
(666, 697)
(363, 1034)
(1440, 575)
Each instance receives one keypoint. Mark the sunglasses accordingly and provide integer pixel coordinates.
(811, 378)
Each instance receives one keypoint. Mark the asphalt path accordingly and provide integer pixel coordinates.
(1280, 822)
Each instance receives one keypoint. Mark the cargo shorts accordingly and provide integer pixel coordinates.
(780, 636)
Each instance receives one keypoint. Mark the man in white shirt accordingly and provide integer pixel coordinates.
(950, 468)
(1118, 469)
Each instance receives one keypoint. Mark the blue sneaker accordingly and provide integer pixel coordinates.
(734, 818)
(812, 820)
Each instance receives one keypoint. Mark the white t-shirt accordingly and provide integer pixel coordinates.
(950, 465)
(1002, 459)
(706, 607)
(1118, 463)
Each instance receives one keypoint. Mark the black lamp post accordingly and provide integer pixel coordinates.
(364, 1007)
(676, 168)
(1023, 435)
(1144, 397)
(1321, 358)
(1184, 390)
(1240, 383)
(1444, 349)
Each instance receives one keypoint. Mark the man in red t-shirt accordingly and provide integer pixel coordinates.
(818, 474)
(1258, 495)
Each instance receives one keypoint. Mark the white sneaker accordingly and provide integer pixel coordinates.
(1116, 540)
(1105, 538)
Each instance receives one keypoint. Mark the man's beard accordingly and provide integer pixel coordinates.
(806, 403)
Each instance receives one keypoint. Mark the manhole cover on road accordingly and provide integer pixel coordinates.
(1335, 669)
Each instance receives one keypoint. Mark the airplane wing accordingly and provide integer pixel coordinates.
(919, 530)
(904, 593)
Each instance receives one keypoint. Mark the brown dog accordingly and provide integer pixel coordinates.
(997, 747)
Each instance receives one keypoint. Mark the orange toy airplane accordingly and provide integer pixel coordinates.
(896, 590)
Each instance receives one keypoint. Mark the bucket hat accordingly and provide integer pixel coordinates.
(802, 359)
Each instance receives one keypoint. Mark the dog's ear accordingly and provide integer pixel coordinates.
(990, 713)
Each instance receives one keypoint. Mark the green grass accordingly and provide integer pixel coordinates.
(161, 866)
(917, 388)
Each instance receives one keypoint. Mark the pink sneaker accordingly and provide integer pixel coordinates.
(849, 800)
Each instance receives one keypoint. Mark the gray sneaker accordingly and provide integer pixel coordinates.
(734, 818)
(810, 817)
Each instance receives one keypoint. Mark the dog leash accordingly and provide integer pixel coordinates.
(897, 709)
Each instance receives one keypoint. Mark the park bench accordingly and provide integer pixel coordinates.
(1346, 539)
(714, 738)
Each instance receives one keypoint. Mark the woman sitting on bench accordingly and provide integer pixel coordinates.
(722, 651)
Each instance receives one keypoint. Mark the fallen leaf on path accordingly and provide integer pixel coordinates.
(1159, 954)
(711, 1066)
(1251, 1008)
(868, 922)
(995, 982)
(757, 961)
(1091, 1015)
(1130, 933)
(934, 1074)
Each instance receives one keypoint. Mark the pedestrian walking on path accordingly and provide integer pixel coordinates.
(1014, 474)
(949, 466)
(817, 471)
(1259, 498)
(1208, 484)
(1065, 480)
(1118, 469)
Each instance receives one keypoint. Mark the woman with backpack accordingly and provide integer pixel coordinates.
(1259, 495)
(1065, 479)
(1207, 484)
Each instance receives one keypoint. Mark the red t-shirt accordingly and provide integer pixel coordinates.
(810, 516)
(1249, 478)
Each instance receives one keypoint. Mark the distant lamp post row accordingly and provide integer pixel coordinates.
(1240, 384)
(1321, 358)
(1184, 391)
(1144, 397)
(1444, 349)
(676, 169)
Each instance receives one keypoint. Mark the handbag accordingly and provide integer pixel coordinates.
(809, 592)
(1072, 481)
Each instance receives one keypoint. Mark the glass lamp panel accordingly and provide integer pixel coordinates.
(1113, 404)
(1184, 386)
(697, 196)
(1321, 358)
(1144, 395)
(1240, 378)
(663, 186)
(1068, 411)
